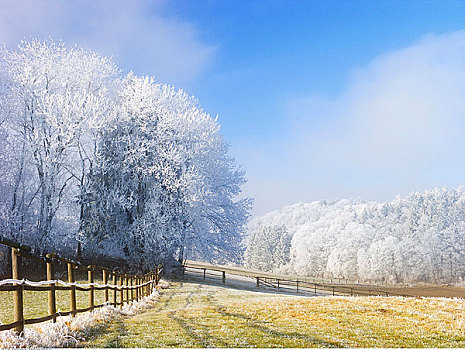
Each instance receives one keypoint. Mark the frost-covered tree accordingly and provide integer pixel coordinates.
(127, 166)
(268, 248)
(51, 98)
(176, 185)
(419, 237)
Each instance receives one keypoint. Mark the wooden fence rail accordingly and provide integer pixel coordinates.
(128, 291)
(291, 285)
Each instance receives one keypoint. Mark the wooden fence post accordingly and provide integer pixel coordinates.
(145, 285)
(136, 290)
(156, 276)
(18, 293)
(105, 282)
(114, 289)
(224, 277)
(144, 288)
(72, 291)
(297, 285)
(121, 295)
(126, 282)
(52, 306)
(132, 290)
(258, 282)
(204, 273)
(90, 275)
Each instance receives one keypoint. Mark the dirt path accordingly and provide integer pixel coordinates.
(192, 314)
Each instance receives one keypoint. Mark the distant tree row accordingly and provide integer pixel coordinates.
(122, 164)
(416, 238)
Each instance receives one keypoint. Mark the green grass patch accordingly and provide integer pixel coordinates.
(36, 303)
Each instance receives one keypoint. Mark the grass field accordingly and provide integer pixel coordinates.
(199, 315)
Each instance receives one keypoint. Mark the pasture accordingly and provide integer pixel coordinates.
(192, 314)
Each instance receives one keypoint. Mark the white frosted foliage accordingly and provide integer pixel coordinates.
(124, 165)
(415, 238)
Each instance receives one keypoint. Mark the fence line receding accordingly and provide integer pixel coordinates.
(130, 287)
(282, 284)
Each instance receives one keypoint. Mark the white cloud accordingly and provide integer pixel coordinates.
(399, 126)
(406, 108)
(135, 33)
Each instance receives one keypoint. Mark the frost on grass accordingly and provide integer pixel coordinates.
(200, 315)
(68, 331)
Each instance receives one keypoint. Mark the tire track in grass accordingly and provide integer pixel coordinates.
(190, 331)
(204, 339)
(166, 303)
(114, 334)
(199, 316)
(260, 326)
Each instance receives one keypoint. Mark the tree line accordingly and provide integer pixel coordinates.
(415, 238)
(118, 164)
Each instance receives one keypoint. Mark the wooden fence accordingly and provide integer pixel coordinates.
(287, 285)
(300, 286)
(128, 287)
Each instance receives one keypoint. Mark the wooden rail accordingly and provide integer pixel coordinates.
(289, 285)
(241, 271)
(129, 292)
(320, 288)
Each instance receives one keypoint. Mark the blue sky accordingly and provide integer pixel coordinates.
(318, 99)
